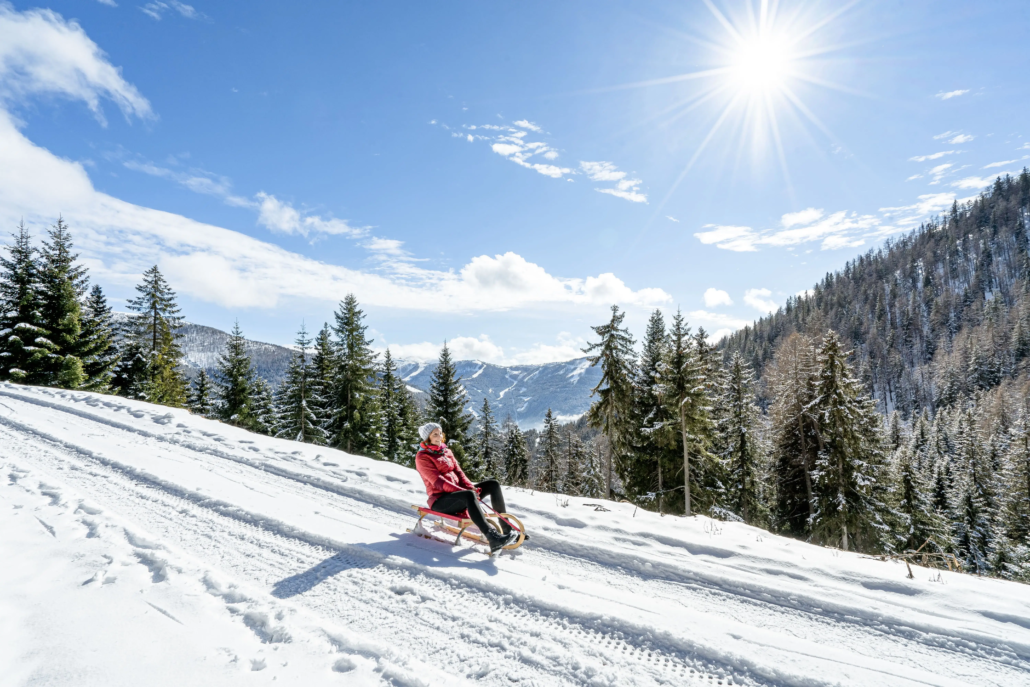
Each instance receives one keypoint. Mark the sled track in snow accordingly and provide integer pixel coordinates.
(369, 590)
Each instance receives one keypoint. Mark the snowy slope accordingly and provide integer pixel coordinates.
(142, 545)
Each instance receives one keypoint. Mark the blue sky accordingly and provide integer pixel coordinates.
(498, 175)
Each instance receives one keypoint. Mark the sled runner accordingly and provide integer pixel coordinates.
(459, 526)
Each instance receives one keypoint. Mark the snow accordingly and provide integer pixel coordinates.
(143, 545)
(577, 371)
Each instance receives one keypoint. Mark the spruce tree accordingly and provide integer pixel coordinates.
(97, 345)
(152, 358)
(24, 346)
(446, 406)
(201, 400)
(294, 418)
(354, 427)
(1017, 507)
(400, 417)
(575, 464)
(323, 373)
(63, 285)
(973, 505)
(592, 483)
(683, 388)
(794, 433)
(516, 454)
(485, 444)
(613, 409)
(549, 476)
(920, 526)
(263, 408)
(849, 462)
(236, 383)
(743, 451)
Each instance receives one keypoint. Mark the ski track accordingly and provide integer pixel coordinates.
(505, 638)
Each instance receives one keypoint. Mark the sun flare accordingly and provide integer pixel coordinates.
(761, 64)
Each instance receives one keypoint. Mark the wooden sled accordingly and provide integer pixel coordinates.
(460, 527)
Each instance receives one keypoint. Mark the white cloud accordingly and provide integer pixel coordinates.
(977, 183)
(914, 176)
(961, 138)
(908, 216)
(716, 297)
(157, 9)
(738, 239)
(932, 156)
(483, 349)
(803, 217)
(672, 219)
(601, 171)
(759, 300)
(999, 164)
(944, 135)
(951, 94)
(938, 172)
(715, 321)
(109, 3)
(526, 124)
(41, 53)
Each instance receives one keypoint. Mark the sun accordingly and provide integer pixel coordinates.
(760, 65)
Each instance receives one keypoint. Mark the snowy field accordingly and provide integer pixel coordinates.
(142, 545)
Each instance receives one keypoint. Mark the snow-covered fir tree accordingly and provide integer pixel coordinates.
(150, 364)
(484, 447)
(24, 346)
(973, 503)
(293, 399)
(97, 344)
(322, 379)
(400, 416)
(201, 396)
(515, 454)
(446, 406)
(741, 442)
(235, 383)
(63, 285)
(575, 458)
(612, 412)
(356, 424)
(548, 477)
(263, 407)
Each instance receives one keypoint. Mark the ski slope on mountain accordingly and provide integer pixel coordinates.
(143, 545)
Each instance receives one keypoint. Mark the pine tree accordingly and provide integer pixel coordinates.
(97, 344)
(972, 498)
(743, 451)
(794, 430)
(236, 383)
(516, 454)
(400, 433)
(24, 346)
(63, 284)
(263, 408)
(201, 400)
(653, 437)
(613, 409)
(152, 357)
(354, 390)
(446, 406)
(485, 446)
(294, 417)
(323, 373)
(1018, 479)
(683, 388)
(549, 477)
(850, 456)
(593, 481)
(575, 459)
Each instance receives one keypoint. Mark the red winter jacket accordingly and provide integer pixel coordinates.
(440, 471)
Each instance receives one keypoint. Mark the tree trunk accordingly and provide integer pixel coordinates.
(808, 474)
(686, 465)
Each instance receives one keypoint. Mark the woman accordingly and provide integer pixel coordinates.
(451, 492)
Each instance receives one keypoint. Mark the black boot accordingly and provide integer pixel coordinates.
(498, 541)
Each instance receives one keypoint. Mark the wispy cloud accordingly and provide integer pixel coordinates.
(281, 217)
(932, 156)
(157, 9)
(914, 177)
(977, 183)
(672, 219)
(961, 138)
(760, 300)
(938, 172)
(999, 164)
(841, 229)
(628, 189)
(951, 94)
(109, 3)
(716, 297)
(519, 142)
(944, 135)
(483, 349)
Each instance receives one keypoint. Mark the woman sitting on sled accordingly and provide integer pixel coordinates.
(451, 492)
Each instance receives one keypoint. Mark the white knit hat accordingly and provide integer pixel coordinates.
(425, 430)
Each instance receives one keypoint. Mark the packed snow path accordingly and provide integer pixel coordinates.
(242, 559)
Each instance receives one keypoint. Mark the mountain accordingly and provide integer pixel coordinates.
(933, 316)
(146, 545)
(525, 392)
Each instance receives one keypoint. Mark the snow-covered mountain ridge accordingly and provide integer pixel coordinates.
(145, 545)
(525, 392)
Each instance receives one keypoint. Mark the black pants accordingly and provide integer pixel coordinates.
(457, 501)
